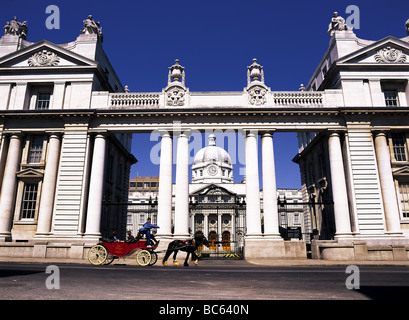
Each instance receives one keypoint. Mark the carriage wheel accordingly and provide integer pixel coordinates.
(143, 258)
(109, 259)
(154, 258)
(97, 255)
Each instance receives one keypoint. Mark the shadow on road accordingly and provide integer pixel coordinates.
(13, 273)
(385, 292)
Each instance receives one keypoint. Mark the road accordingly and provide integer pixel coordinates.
(209, 281)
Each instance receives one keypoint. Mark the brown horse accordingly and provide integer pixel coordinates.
(189, 246)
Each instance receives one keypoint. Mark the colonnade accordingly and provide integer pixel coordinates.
(181, 216)
(253, 215)
(49, 183)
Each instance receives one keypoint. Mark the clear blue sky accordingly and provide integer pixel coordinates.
(215, 40)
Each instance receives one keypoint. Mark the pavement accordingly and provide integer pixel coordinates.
(220, 262)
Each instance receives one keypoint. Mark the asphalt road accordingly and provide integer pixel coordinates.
(211, 281)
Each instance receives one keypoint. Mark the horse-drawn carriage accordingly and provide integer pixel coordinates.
(106, 251)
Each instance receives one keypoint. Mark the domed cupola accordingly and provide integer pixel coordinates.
(212, 164)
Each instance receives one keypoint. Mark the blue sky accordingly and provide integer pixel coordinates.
(215, 41)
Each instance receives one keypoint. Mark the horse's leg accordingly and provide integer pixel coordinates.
(195, 258)
(168, 253)
(186, 264)
(175, 263)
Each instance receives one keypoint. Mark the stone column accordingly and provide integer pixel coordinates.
(165, 186)
(269, 188)
(8, 189)
(48, 190)
(390, 202)
(253, 219)
(219, 226)
(182, 187)
(96, 188)
(338, 184)
(206, 225)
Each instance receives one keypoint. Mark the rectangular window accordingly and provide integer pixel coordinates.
(43, 101)
(132, 184)
(142, 219)
(399, 146)
(391, 98)
(28, 205)
(139, 184)
(36, 150)
(404, 195)
(154, 184)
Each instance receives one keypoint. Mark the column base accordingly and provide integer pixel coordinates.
(5, 237)
(264, 248)
(273, 236)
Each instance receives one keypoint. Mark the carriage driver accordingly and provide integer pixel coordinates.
(147, 229)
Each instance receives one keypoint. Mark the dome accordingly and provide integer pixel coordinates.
(212, 153)
(212, 164)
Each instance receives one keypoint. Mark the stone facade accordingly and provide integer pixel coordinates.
(61, 164)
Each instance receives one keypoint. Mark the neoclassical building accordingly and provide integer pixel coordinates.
(217, 205)
(66, 123)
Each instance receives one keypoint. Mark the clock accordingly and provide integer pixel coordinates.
(212, 170)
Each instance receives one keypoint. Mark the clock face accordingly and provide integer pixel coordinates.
(212, 170)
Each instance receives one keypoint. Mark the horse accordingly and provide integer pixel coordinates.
(189, 246)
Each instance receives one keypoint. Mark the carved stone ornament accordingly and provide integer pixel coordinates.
(16, 28)
(175, 97)
(92, 27)
(257, 95)
(390, 55)
(43, 58)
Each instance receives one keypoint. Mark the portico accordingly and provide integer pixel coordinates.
(65, 154)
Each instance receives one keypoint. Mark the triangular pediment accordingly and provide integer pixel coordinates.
(404, 171)
(387, 51)
(30, 173)
(213, 189)
(44, 54)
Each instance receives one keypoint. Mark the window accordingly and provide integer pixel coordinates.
(142, 219)
(154, 184)
(404, 195)
(399, 146)
(324, 71)
(139, 184)
(29, 201)
(36, 150)
(43, 101)
(132, 184)
(146, 184)
(391, 98)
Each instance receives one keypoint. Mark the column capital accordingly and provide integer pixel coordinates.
(185, 133)
(267, 133)
(380, 132)
(14, 134)
(250, 132)
(165, 132)
(54, 133)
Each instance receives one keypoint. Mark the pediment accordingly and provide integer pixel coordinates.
(30, 174)
(44, 54)
(213, 189)
(387, 51)
(404, 171)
